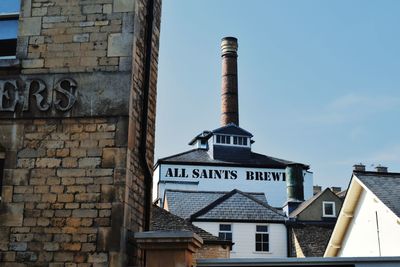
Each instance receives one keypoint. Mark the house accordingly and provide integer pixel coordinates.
(311, 224)
(256, 229)
(369, 221)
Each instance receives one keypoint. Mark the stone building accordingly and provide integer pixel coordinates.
(77, 118)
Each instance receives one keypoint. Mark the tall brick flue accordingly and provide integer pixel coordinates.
(229, 87)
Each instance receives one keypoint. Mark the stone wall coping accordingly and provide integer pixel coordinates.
(169, 240)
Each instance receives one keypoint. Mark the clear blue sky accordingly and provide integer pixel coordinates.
(318, 80)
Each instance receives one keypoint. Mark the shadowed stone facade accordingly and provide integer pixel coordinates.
(77, 122)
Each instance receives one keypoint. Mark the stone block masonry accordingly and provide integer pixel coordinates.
(73, 116)
(76, 35)
(65, 184)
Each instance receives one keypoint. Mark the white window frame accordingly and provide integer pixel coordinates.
(231, 140)
(225, 231)
(333, 209)
(262, 233)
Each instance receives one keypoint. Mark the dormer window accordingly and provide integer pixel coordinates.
(241, 141)
(223, 139)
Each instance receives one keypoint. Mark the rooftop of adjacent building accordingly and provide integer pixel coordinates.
(229, 145)
(385, 185)
(221, 206)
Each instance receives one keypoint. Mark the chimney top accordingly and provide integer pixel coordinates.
(381, 169)
(229, 46)
(359, 167)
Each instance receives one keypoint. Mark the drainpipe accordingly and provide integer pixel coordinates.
(148, 175)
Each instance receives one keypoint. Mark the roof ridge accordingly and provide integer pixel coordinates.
(212, 204)
(261, 202)
(179, 154)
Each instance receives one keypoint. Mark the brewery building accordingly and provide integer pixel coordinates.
(222, 159)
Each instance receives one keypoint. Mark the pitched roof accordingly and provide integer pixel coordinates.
(201, 156)
(232, 128)
(306, 203)
(386, 186)
(238, 206)
(163, 220)
(311, 239)
(185, 203)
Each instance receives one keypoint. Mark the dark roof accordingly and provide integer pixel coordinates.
(238, 206)
(163, 220)
(386, 186)
(233, 129)
(204, 135)
(202, 157)
(185, 203)
(312, 239)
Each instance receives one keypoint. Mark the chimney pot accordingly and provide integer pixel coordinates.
(381, 169)
(359, 167)
(229, 86)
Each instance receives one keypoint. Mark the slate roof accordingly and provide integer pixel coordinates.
(202, 157)
(238, 206)
(234, 206)
(312, 239)
(185, 203)
(163, 220)
(386, 186)
(233, 129)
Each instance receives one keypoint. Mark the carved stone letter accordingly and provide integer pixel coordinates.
(6, 96)
(66, 88)
(39, 94)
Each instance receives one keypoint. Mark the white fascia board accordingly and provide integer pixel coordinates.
(345, 217)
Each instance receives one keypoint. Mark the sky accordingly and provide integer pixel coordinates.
(318, 80)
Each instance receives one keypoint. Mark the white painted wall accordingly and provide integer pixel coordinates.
(243, 235)
(275, 191)
(361, 239)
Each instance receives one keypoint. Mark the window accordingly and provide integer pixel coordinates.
(223, 139)
(262, 238)
(225, 231)
(328, 209)
(9, 10)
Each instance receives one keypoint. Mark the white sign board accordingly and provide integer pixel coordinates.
(271, 182)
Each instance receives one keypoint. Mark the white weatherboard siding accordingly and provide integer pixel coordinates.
(274, 186)
(243, 235)
(361, 239)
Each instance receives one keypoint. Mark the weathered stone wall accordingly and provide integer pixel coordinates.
(62, 187)
(76, 35)
(74, 186)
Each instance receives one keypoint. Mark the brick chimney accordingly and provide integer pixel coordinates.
(381, 169)
(359, 167)
(229, 92)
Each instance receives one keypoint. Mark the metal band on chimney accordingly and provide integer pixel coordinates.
(229, 86)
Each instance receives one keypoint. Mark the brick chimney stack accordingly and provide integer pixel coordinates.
(229, 92)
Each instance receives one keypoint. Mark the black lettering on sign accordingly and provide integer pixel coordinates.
(233, 175)
(195, 173)
(249, 175)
